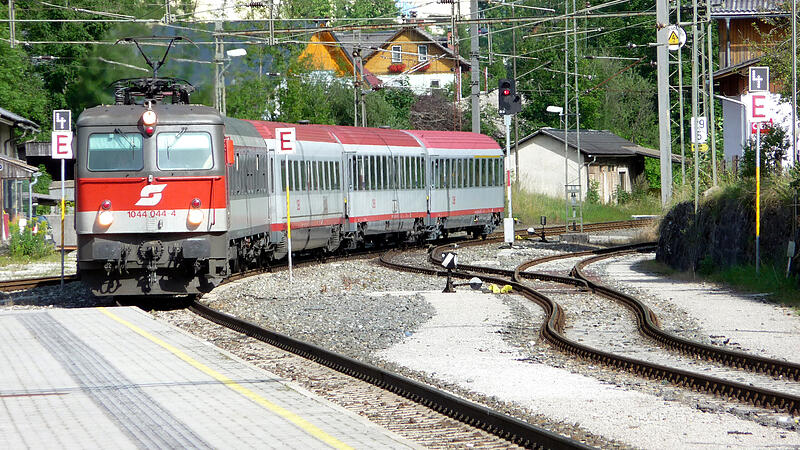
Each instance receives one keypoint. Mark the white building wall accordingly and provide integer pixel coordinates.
(419, 82)
(735, 123)
(541, 166)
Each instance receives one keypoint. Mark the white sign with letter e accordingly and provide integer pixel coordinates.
(759, 107)
(61, 145)
(285, 140)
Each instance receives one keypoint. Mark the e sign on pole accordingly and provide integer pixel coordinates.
(286, 144)
(61, 148)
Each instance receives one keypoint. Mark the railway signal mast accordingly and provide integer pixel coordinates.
(508, 104)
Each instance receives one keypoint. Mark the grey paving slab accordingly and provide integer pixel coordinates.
(88, 378)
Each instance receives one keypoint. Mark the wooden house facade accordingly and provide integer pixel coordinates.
(406, 56)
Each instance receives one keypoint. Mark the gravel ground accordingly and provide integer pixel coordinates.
(486, 347)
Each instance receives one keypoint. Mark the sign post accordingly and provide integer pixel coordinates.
(759, 112)
(508, 222)
(286, 143)
(61, 148)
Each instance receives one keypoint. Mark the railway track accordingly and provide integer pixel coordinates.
(506, 427)
(553, 331)
(31, 283)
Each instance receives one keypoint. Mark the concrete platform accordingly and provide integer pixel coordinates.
(117, 378)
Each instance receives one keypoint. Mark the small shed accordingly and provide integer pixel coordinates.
(546, 165)
(13, 171)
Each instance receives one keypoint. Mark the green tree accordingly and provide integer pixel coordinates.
(21, 87)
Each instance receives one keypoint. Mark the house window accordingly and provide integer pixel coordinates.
(435, 84)
(422, 52)
(397, 55)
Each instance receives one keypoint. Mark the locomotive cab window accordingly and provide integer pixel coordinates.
(115, 151)
(184, 151)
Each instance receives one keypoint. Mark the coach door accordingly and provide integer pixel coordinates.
(439, 204)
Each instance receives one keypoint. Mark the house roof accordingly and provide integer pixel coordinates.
(746, 8)
(375, 42)
(16, 120)
(599, 143)
(736, 69)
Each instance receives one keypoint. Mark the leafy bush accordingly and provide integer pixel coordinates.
(621, 195)
(593, 193)
(27, 243)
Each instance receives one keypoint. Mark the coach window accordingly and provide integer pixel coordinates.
(361, 174)
(422, 173)
(115, 151)
(501, 180)
(184, 151)
(297, 178)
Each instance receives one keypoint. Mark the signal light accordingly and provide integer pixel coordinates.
(105, 216)
(196, 215)
(149, 118)
(508, 102)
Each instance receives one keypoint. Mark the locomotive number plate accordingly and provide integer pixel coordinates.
(152, 213)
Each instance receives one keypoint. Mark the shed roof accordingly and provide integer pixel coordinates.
(598, 143)
(15, 120)
(746, 8)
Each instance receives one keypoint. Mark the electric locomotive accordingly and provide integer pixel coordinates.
(151, 201)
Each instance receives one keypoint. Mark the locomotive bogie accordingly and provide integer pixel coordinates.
(123, 264)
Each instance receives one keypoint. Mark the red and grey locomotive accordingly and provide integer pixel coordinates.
(173, 197)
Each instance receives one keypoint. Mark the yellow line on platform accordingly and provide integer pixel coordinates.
(283, 412)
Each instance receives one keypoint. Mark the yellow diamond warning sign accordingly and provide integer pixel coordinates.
(676, 37)
(673, 39)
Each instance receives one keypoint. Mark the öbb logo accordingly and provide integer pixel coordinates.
(151, 195)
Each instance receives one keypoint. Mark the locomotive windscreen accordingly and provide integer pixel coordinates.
(184, 151)
(115, 151)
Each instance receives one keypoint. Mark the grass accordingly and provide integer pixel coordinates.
(7, 259)
(529, 207)
(771, 281)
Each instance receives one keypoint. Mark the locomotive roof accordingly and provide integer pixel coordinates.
(168, 114)
(379, 136)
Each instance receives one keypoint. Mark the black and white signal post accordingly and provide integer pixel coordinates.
(508, 104)
(61, 148)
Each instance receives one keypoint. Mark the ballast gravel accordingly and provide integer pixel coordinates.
(486, 347)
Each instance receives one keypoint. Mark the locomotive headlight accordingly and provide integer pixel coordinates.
(105, 216)
(149, 118)
(196, 215)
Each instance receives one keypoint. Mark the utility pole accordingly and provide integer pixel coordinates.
(694, 105)
(219, 76)
(12, 30)
(514, 76)
(475, 73)
(361, 84)
(680, 98)
(794, 123)
(577, 112)
(711, 124)
(271, 24)
(566, 115)
(356, 86)
(662, 60)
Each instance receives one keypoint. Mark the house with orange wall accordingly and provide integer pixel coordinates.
(405, 56)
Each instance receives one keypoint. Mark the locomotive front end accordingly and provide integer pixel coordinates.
(151, 214)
